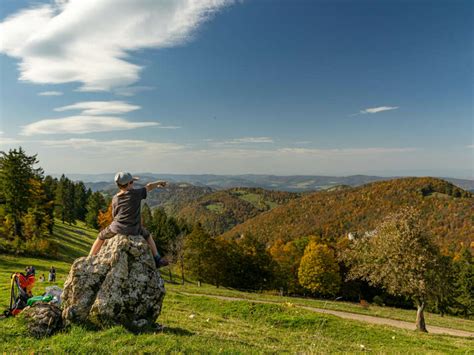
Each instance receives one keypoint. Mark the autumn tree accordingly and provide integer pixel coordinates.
(400, 257)
(287, 257)
(104, 218)
(319, 271)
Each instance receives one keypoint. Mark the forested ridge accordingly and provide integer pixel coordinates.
(446, 210)
(219, 211)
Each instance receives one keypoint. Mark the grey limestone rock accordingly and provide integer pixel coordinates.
(43, 319)
(120, 285)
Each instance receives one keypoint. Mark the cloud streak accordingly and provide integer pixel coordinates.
(100, 107)
(50, 93)
(82, 124)
(118, 145)
(345, 151)
(92, 41)
(378, 109)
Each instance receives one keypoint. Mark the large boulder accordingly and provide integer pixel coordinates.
(120, 285)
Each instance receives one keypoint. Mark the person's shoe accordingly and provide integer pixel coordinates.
(160, 262)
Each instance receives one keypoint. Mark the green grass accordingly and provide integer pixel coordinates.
(258, 201)
(217, 207)
(376, 311)
(202, 324)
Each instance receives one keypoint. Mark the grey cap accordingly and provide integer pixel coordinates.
(123, 178)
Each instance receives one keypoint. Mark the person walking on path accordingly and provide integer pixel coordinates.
(126, 213)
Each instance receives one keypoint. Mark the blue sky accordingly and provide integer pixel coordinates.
(216, 86)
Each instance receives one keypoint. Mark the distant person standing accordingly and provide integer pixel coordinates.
(52, 274)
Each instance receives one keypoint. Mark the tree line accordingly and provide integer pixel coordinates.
(30, 201)
(397, 264)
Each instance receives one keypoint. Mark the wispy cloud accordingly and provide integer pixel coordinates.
(132, 90)
(471, 146)
(6, 141)
(50, 93)
(119, 145)
(100, 107)
(243, 140)
(345, 151)
(81, 124)
(169, 127)
(378, 109)
(91, 41)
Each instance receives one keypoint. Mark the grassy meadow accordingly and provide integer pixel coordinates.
(202, 324)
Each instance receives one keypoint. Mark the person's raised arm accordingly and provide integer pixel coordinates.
(153, 185)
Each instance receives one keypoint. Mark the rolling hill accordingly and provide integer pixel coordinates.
(447, 211)
(219, 211)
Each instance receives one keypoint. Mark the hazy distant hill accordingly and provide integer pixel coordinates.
(297, 183)
(221, 210)
(447, 211)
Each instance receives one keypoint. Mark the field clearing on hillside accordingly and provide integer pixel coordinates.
(200, 324)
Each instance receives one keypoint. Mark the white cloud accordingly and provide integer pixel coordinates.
(243, 140)
(91, 41)
(81, 124)
(471, 146)
(169, 127)
(251, 140)
(378, 109)
(118, 146)
(344, 151)
(132, 90)
(100, 107)
(5, 141)
(50, 93)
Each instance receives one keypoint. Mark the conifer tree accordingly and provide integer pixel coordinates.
(80, 201)
(464, 283)
(17, 170)
(95, 204)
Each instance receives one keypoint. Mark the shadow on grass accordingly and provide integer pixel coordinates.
(177, 331)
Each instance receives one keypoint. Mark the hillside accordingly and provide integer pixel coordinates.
(219, 211)
(447, 211)
(172, 198)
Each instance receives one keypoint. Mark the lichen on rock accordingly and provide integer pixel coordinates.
(120, 285)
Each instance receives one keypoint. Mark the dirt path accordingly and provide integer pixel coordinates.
(353, 316)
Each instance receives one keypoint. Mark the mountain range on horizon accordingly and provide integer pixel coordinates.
(291, 183)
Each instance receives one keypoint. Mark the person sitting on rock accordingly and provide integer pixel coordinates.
(126, 213)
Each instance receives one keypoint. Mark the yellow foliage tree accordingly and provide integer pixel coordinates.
(319, 271)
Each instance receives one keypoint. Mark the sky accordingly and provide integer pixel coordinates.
(284, 87)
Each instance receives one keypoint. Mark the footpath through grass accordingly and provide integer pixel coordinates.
(197, 324)
(372, 310)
